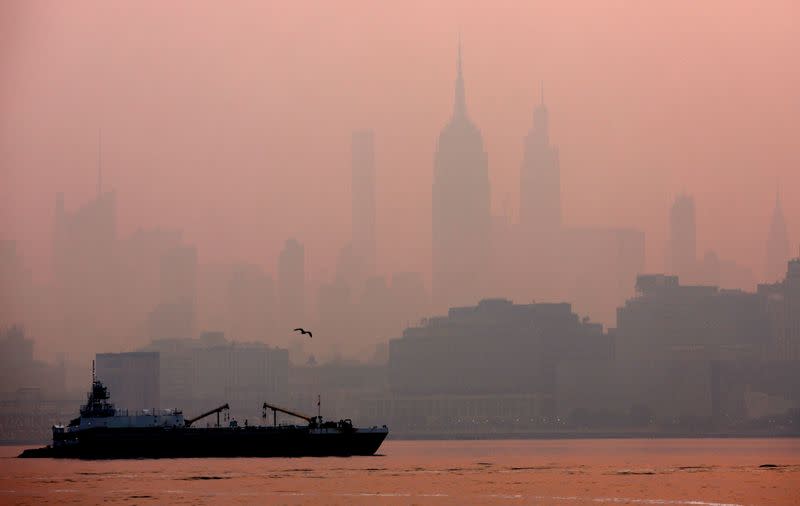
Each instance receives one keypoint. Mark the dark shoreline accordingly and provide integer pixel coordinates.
(542, 436)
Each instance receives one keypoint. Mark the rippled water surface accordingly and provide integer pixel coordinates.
(703, 472)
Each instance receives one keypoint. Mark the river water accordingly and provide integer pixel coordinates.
(700, 472)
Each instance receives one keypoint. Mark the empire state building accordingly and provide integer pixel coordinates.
(461, 209)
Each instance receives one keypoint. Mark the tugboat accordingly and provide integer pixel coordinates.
(105, 432)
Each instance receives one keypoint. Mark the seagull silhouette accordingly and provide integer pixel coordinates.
(304, 331)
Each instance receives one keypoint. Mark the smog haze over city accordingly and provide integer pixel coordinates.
(234, 123)
(498, 219)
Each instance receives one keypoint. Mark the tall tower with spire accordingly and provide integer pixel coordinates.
(540, 178)
(86, 266)
(777, 245)
(461, 208)
(363, 200)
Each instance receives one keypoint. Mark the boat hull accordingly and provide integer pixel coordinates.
(166, 442)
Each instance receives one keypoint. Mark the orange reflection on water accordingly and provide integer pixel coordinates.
(701, 472)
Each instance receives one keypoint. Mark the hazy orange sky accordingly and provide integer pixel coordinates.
(232, 120)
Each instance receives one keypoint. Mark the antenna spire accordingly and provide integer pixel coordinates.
(459, 51)
(460, 105)
(541, 92)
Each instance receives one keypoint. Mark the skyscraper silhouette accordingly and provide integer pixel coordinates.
(291, 284)
(682, 254)
(461, 208)
(251, 304)
(84, 242)
(540, 178)
(363, 204)
(85, 269)
(15, 284)
(777, 245)
(174, 317)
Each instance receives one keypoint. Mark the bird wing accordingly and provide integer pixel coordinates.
(310, 334)
(301, 330)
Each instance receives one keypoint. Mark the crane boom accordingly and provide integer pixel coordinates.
(282, 410)
(207, 413)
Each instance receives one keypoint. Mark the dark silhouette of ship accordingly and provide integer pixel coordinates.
(104, 432)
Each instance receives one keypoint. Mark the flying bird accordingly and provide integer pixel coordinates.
(304, 331)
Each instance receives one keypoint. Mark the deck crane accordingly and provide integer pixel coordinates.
(275, 409)
(224, 407)
(313, 421)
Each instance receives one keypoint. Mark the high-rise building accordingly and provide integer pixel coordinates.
(597, 279)
(495, 347)
(241, 373)
(375, 320)
(174, 317)
(85, 271)
(132, 378)
(139, 274)
(461, 217)
(781, 301)
(84, 241)
(671, 320)
(197, 374)
(363, 195)
(15, 284)
(682, 254)
(20, 372)
(291, 283)
(179, 275)
(409, 297)
(251, 304)
(335, 315)
(777, 245)
(540, 178)
(791, 287)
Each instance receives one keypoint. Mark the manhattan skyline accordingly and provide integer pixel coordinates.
(226, 158)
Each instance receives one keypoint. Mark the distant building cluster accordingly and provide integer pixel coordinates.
(494, 363)
(197, 375)
(32, 391)
(682, 358)
(700, 347)
(108, 291)
(22, 377)
(781, 302)
(683, 260)
(496, 347)
(133, 377)
(200, 374)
